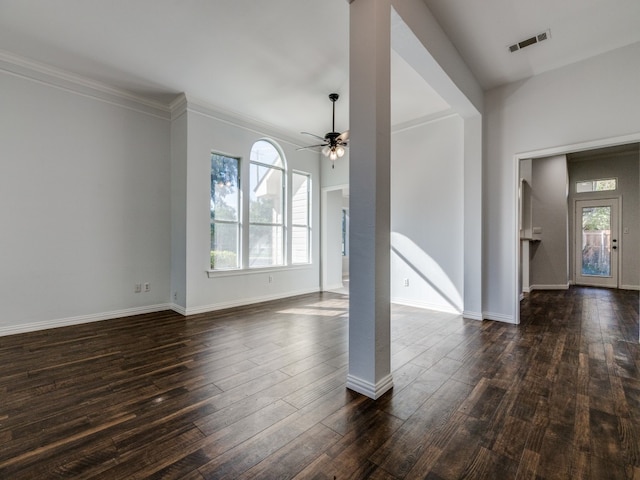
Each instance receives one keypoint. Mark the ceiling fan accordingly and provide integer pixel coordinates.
(333, 143)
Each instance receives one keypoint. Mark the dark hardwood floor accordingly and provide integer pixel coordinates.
(260, 393)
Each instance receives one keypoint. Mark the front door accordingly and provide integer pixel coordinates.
(597, 242)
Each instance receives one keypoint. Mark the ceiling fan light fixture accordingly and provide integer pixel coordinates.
(334, 143)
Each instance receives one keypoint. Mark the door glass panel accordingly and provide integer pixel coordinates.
(596, 241)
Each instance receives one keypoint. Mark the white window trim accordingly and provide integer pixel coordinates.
(239, 222)
(575, 185)
(252, 271)
(308, 225)
(284, 170)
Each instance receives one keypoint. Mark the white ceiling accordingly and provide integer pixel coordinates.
(276, 61)
(482, 31)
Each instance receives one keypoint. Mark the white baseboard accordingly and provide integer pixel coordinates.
(95, 317)
(369, 389)
(629, 287)
(562, 286)
(336, 286)
(239, 303)
(498, 317)
(472, 315)
(426, 305)
(178, 309)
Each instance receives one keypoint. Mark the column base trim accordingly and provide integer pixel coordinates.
(368, 389)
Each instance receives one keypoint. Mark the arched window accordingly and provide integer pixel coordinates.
(267, 174)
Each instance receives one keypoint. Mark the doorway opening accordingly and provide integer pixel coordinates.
(575, 235)
(335, 239)
(596, 242)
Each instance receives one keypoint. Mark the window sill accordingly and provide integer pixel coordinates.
(251, 271)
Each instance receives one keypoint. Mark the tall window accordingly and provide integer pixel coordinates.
(225, 212)
(266, 206)
(300, 225)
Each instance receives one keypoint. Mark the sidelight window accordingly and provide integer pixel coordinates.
(225, 212)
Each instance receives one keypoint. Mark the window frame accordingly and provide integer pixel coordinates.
(243, 237)
(307, 224)
(238, 222)
(593, 183)
(283, 205)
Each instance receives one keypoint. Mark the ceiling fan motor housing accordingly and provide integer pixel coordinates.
(332, 137)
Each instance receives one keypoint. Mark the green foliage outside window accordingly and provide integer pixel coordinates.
(224, 211)
(596, 218)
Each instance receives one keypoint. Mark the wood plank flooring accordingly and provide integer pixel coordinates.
(260, 392)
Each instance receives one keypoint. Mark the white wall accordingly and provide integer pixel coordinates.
(208, 131)
(625, 168)
(332, 263)
(549, 258)
(179, 132)
(427, 215)
(595, 99)
(84, 203)
(417, 37)
(334, 174)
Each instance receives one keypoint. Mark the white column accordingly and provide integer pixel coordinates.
(369, 172)
(473, 217)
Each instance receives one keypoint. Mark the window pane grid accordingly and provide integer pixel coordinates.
(268, 224)
(266, 206)
(300, 224)
(225, 213)
(265, 246)
(266, 240)
(600, 185)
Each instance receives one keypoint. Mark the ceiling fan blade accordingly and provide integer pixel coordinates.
(313, 135)
(344, 136)
(308, 147)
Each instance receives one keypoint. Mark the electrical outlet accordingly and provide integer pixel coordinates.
(138, 288)
(175, 296)
(406, 282)
(270, 278)
(147, 287)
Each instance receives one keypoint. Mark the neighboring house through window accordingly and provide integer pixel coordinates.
(266, 205)
(300, 213)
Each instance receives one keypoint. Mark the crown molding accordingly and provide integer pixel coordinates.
(58, 78)
(418, 122)
(178, 106)
(185, 102)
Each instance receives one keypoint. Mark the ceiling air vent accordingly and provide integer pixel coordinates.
(530, 41)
